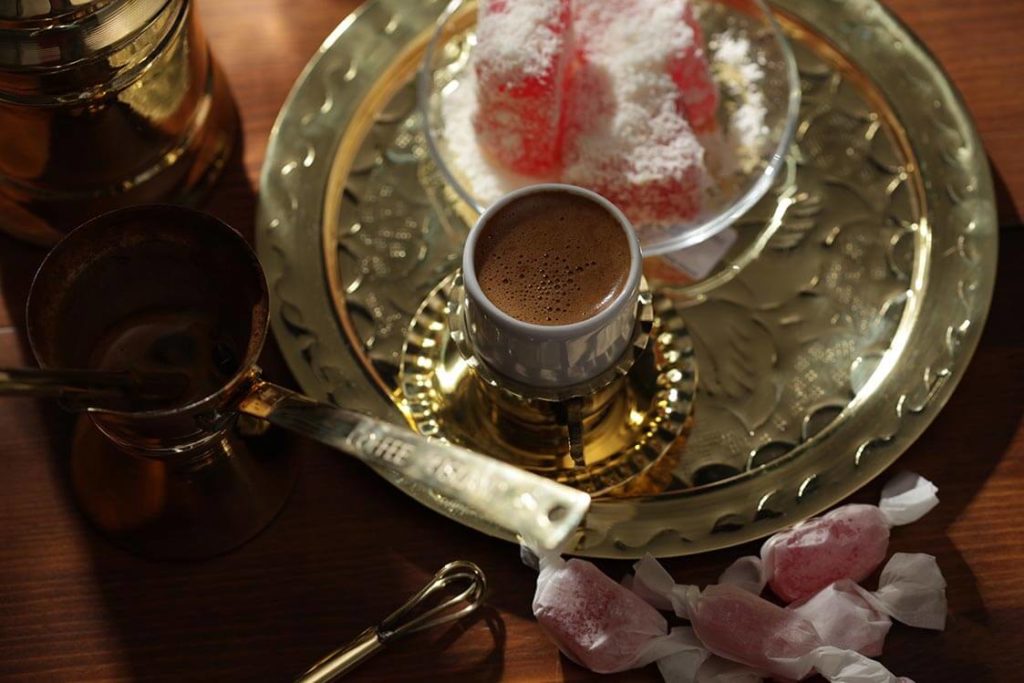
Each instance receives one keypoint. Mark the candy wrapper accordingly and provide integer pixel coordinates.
(736, 624)
(831, 628)
(711, 669)
(598, 623)
(697, 665)
(911, 590)
(848, 543)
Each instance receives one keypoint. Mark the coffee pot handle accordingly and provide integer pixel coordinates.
(542, 512)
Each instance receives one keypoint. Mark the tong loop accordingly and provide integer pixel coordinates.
(405, 619)
(411, 617)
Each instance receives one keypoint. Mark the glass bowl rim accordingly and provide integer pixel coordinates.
(697, 233)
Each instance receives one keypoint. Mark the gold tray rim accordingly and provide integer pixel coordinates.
(303, 339)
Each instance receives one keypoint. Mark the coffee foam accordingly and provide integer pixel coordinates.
(552, 258)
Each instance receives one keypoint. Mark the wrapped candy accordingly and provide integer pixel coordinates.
(520, 63)
(848, 543)
(738, 625)
(736, 636)
(911, 590)
(708, 669)
(696, 664)
(598, 623)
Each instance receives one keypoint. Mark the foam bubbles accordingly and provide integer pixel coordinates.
(552, 259)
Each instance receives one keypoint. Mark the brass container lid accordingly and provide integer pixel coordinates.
(54, 51)
(41, 32)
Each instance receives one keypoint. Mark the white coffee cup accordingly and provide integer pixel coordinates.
(550, 356)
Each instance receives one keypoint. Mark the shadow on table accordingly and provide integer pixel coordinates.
(348, 548)
(325, 570)
(973, 432)
(486, 668)
(1005, 203)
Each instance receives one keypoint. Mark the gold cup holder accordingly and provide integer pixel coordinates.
(618, 434)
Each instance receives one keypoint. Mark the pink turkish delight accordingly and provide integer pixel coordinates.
(665, 35)
(520, 62)
(848, 543)
(627, 138)
(689, 69)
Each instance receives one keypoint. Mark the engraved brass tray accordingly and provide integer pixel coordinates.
(820, 361)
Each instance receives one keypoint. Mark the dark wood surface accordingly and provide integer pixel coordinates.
(348, 548)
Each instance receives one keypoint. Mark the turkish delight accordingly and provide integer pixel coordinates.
(520, 62)
(689, 69)
(626, 136)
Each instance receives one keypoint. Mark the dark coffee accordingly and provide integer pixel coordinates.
(188, 344)
(552, 258)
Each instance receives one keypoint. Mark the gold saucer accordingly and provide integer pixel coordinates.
(630, 445)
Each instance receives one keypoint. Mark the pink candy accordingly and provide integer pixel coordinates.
(740, 626)
(736, 624)
(520, 62)
(844, 618)
(596, 622)
(911, 590)
(847, 543)
(737, 635)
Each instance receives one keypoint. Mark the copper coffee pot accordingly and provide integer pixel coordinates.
(166, 288)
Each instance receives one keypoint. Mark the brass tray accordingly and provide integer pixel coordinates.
(820, 361)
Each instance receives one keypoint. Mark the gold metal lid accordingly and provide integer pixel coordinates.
(56, 33)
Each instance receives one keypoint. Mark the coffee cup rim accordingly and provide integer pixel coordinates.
(630, 290)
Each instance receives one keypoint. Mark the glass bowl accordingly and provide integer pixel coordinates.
(751, 62)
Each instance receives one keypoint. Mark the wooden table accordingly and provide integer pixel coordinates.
(348, 548)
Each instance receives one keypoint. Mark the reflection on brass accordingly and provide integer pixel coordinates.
(820, 360)
(117, 104)
(631, 415)
(571, 415)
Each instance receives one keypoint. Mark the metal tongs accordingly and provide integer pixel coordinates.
(413, 616)
(86, 388)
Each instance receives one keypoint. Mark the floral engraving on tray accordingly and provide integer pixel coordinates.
(885, 245)
(786, 345)
(782, 348)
